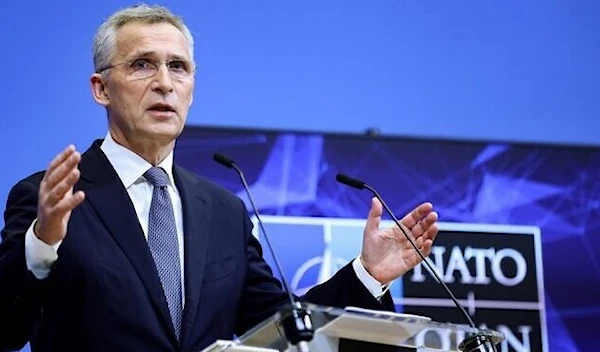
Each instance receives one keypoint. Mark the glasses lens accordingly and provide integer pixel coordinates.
(146, 68)
(141, 68)
(180, 68)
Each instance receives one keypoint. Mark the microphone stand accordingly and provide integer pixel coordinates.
(479, 342)
(296, 320)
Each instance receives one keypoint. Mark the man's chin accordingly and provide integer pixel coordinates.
(163, 135)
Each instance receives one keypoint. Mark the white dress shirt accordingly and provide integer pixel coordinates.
(130, 168)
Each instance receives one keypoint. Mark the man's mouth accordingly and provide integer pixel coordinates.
(162, 107)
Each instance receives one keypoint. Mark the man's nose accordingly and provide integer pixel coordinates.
(162, 81)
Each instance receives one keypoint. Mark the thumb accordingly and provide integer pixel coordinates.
(374, 218)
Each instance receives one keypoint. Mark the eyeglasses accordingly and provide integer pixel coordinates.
(142, 68)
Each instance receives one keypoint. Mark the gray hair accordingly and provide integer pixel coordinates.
(106, 36)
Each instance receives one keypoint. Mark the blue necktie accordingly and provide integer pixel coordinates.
(162, 240)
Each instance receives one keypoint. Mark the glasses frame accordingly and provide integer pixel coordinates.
(155, 64)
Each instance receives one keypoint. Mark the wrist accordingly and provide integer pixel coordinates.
(368, 270)
(37, 230)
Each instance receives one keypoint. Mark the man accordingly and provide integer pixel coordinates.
(120, 250)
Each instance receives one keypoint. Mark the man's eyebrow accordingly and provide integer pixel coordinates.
(178, 57)
(137, 54)
(152, 54)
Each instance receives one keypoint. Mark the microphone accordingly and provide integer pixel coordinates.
(478, 342)
(298, 325)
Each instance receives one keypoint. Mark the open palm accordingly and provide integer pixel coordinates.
(386, 253)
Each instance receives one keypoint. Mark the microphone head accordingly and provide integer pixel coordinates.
(350, 181)
(223, 160)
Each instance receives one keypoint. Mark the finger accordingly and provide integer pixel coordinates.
(425, 243)
(424, 224)
(58, 192)
(62, 156)
(432, 232)
(426, 248)
(429, 237)
(68, 203)
(411, 219)
(374, 218)
(419, 242)
(61, 171)
(403, 232)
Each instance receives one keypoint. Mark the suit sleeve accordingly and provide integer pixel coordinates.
(263, 294)
(21, 292)
(344, 289)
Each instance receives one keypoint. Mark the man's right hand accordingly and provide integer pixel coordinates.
(56, 197)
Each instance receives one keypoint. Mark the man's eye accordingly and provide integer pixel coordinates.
(141, 64)
(177, 65)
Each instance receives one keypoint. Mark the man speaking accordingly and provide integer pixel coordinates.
(118, 249)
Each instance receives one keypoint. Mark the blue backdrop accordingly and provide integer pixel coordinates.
(486, 70)
(477, 69)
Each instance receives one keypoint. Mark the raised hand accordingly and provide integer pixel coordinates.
(387, 254)
(56, 198)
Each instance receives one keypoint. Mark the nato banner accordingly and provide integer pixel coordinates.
(494, 271)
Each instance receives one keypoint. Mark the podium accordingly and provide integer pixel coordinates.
(355, 329)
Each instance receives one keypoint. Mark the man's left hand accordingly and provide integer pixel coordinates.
(387, 254)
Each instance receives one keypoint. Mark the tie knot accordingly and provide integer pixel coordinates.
(157, 176)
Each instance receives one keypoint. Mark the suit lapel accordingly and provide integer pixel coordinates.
(196, 205)
(105, 192)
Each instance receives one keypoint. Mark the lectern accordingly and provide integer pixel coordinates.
(356, 329)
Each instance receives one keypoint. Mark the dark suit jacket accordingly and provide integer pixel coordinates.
(104, 293)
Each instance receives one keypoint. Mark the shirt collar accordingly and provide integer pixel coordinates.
(129, 166)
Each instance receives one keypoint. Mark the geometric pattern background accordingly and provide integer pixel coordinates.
(556, 188)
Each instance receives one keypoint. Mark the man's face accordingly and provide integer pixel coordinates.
(148, 110)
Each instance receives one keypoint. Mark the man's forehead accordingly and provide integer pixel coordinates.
(151, 39)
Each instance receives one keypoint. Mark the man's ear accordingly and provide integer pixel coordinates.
(99, 89)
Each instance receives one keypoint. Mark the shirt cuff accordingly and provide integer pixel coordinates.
(376, 288)
(39, 255)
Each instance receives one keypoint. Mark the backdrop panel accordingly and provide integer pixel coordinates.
(503, 208)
